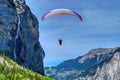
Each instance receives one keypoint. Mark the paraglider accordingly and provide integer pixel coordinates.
(60, 11)
(60, 41)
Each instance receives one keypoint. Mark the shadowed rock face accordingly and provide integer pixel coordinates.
(19, 36)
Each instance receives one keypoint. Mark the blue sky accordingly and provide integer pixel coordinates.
(100, 27)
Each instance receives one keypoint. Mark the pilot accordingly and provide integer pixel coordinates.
(60, 41)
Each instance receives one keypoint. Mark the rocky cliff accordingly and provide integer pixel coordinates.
(19, 36)
(97, 64)
(108, 69)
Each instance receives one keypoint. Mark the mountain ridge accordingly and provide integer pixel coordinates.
(73, 68)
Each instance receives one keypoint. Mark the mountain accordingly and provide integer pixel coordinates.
(108, 69)
(19, 36)
(10, 70)
(88, 66)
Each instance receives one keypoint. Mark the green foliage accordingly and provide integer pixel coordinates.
(2, 77)
(1, 52)
(10, 70)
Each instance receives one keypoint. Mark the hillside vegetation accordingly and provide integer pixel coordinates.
(10, 70)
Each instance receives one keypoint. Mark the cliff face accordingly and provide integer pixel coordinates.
(110, 70)
(97, 64)
(19, 36)
(107, 70)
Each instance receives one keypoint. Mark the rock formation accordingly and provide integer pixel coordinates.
(19, 36)
(109, 69)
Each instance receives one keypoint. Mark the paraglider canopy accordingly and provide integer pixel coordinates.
(60, 11)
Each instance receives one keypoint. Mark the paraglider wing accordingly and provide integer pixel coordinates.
(61, 11)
